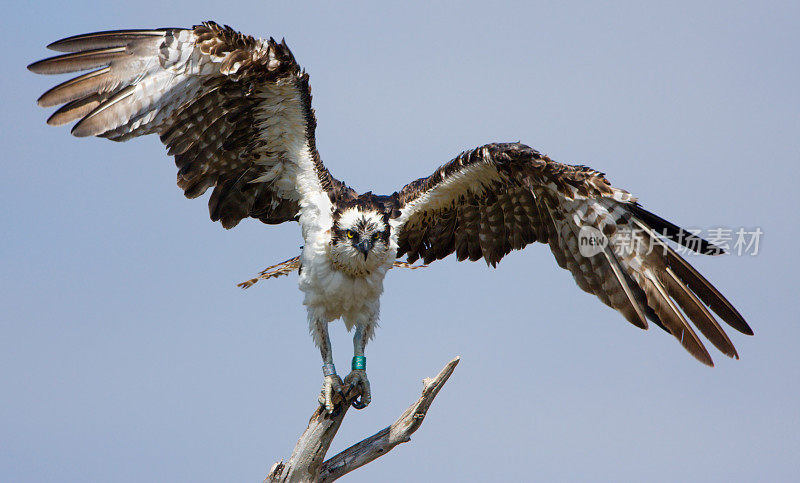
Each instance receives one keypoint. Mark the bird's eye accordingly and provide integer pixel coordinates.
(376, 235)
(350, 234)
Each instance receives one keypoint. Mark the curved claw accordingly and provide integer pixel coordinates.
(330, 385)
(358, 379)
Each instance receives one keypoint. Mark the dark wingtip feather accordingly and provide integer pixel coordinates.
(634, 311)
(59, 45)
(33, 66)
(674, 232)
(75, 88)
(108, 38)
(746, 329)
(74, 110)
(673, 320)
(101, 119)
(80, 131)
(707, 292)
(77, 61)
(698, 313)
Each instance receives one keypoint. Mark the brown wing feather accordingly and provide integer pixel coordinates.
(698, 313)
(502, 197)
(226, 105)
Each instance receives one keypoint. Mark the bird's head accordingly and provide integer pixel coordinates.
(360, 237)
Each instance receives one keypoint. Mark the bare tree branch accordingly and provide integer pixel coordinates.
(385, 440)
(305, 464)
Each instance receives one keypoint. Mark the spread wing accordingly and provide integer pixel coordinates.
(502, 197)
(235, 112)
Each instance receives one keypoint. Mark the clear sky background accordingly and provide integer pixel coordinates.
(128, 353)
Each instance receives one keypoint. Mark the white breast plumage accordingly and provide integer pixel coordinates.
(331, 293)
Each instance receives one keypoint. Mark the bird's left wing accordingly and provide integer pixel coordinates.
(235, 111)
(502, 197)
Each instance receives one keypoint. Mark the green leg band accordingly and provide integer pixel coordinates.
(359, 363)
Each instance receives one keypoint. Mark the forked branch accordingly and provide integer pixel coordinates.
(306, 462)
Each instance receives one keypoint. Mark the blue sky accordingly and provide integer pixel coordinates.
(128, 354)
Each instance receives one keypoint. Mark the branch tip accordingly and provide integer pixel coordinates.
(306, 460)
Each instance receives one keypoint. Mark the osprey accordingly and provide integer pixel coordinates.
(236, 114)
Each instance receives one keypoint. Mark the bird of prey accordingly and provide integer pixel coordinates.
(235, 112)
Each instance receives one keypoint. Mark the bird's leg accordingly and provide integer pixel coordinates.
(358, 376)
(331, 383)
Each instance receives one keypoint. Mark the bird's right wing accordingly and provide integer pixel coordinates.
(235, 112)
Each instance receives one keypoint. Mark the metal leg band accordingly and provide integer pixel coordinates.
(328, 370)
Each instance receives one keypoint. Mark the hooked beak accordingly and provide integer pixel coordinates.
(364, 247)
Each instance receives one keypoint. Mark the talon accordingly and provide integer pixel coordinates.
(330, 385)
(358, 379)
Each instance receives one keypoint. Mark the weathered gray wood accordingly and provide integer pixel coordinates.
(309, 452)
(306, 462)
(385, 440)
